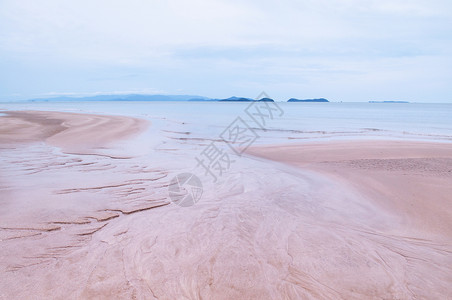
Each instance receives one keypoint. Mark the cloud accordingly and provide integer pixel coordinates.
(169, 45)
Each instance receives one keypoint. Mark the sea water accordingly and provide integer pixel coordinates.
(290, 122)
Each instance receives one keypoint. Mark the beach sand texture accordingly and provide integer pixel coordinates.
(337, 220)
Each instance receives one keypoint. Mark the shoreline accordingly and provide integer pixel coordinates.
(316, 227)
(71, 132)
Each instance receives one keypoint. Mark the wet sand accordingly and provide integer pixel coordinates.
(355, 220)
(68, 131)
(412, 180)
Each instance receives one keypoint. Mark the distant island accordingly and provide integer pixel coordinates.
(389, 102)
(124, 97)
(308, 100)
(148, 98)
(237, 99)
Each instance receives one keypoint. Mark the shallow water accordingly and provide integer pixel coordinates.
(299, 122)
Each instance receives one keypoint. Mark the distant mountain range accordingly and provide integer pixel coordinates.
(128, 97)
(139, 97)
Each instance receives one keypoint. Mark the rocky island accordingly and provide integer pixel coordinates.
(237, 99)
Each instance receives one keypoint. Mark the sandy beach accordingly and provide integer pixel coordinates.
(68, 131)
(81, 218)
(409, 179)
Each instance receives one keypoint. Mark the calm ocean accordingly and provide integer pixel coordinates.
(299, 122)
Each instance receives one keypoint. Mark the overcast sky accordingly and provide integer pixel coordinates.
(343, 50)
